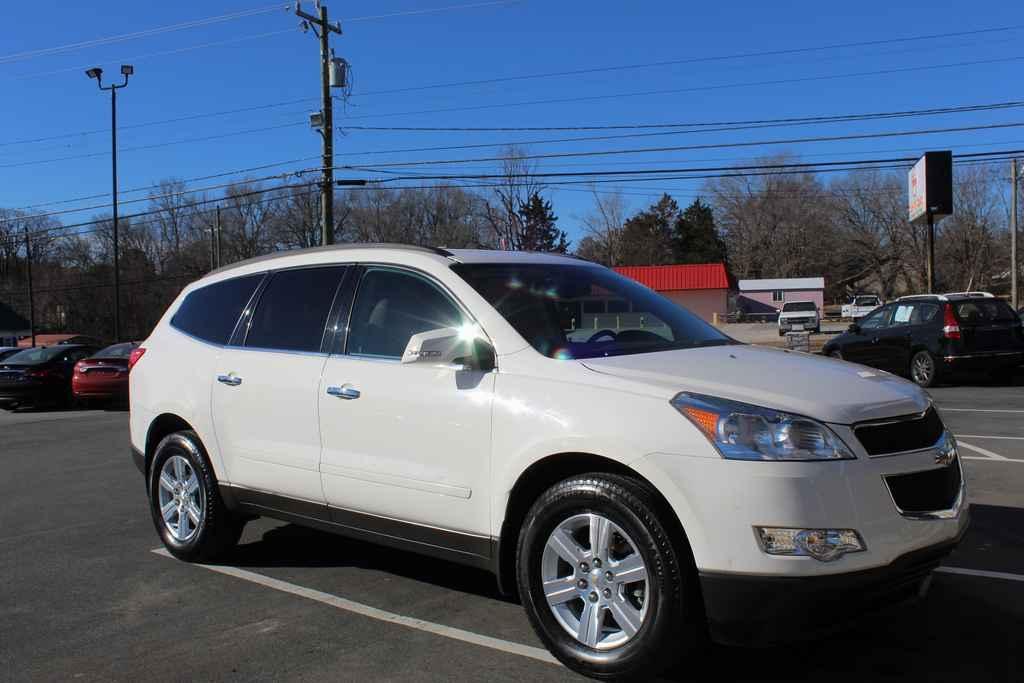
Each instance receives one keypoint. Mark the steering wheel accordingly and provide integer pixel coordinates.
(602, 333)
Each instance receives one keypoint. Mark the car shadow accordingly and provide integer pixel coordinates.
(295, 546)
(966, 629)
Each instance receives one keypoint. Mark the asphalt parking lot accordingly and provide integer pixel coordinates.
(86, 597)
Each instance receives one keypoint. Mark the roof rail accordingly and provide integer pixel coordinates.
(984, 295)
(923, 297)
(333, 247)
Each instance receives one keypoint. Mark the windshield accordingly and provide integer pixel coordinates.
(115, 351)
(37, 355)
(799, 306)
(866, 301)
(568, 311)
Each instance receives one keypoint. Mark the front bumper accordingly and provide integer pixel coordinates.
(763, 610)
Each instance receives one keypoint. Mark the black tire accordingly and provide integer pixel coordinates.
(218, 530)
(924, 370)
(836, 353)
(674, 626)
(781, 333)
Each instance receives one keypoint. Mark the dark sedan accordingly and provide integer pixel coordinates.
(930, 337)
(40, 376)
(104, 375)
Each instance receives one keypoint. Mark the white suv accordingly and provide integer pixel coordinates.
(637, 476)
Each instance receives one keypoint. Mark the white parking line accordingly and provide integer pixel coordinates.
(379, 614)
(989, 436)
(986, 459)
(982, 573)
(984, 451)
(977, 410)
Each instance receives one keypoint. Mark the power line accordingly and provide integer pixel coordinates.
(431, 10)
(140, 199)
(152, 186)
(696, 60)
(146, 33)
(756, 143)
(697, 88)
(633, 172)
(161, 53)
(201, 202)
(137, 148)
(777, 123)
(693, 124)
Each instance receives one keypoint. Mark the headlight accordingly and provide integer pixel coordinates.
(824, 545)
(744, 432)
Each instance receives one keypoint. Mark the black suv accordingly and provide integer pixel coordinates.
(930, 336)
(40, 375)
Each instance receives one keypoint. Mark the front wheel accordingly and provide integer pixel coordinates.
(185, 502)
(923, 369)
(604, 586)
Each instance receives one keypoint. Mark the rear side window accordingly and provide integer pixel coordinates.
(390, 307)
(210, 313)
(293, 309)
(985, 311)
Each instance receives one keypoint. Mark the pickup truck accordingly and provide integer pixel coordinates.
(860, 306)
(798, 316)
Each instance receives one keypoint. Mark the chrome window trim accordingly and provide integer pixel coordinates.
(416, 272)
(250, 309)
(234, 330)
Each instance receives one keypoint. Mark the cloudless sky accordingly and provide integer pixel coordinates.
(49, 95)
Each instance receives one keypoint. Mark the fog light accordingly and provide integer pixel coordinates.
(825, 545)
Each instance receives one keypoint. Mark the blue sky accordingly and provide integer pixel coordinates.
(271, 61)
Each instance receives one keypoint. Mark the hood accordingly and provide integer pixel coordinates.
(822, 388)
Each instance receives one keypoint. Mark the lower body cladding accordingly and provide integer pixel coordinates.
(983, 361)
(753, 597)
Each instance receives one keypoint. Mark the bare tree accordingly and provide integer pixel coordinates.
(603, 227)
(502, 211)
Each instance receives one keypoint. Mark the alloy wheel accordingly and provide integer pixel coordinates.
(182, 500)
(595, 581)
(922, 369)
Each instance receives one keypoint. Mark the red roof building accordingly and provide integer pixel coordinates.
(702, 288)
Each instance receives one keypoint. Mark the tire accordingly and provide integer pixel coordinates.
(836, 353)
(923, 369)
(210, 528)
(666, 604)
(781, 333)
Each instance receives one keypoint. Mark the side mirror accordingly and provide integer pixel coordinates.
(854, 328)
(450, 346)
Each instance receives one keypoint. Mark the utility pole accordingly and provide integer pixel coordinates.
(1014, 178)
(31, 301)
(97, 73)
(931, 253)
(218, 241)
(323, 29)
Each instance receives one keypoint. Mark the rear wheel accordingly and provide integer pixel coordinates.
(923, 369)
(185, 502)
(604, 586)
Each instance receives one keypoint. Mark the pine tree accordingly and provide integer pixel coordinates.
(539, 231)
(647, 236)
(695, 238)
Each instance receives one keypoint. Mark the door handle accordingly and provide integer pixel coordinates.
(230, 380)
(346, 392)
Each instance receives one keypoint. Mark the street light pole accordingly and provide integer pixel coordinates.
(97, 73)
